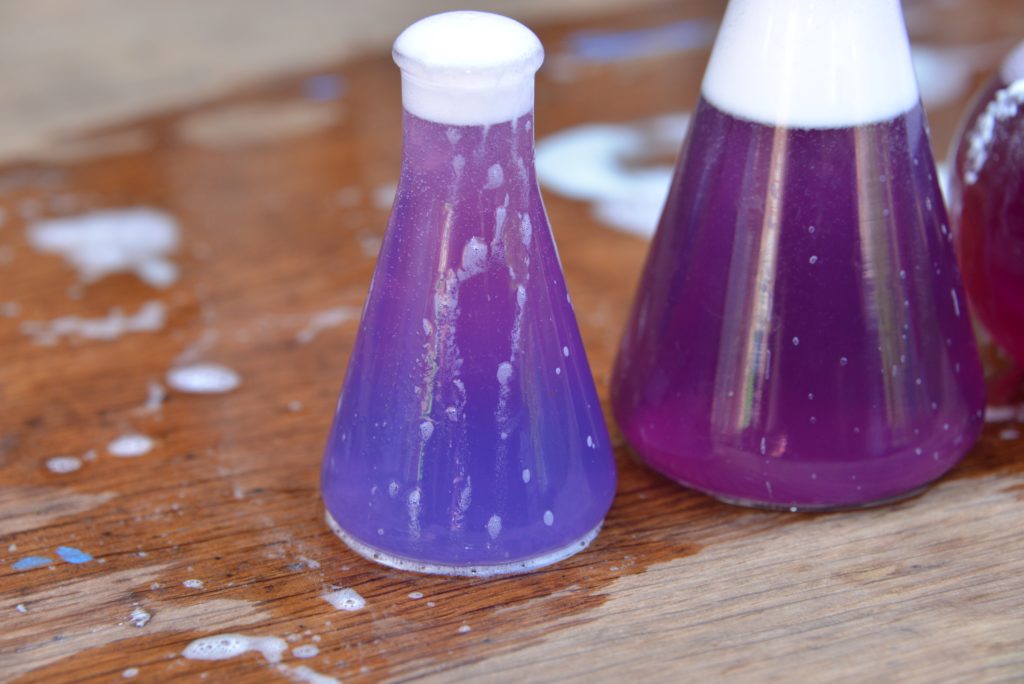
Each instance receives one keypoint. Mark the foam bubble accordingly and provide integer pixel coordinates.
(468, 68)
(305, 651)
(63, 464)
(203, 378)
(345, 599)
(812, 63)
(130, 445)
(226, 646)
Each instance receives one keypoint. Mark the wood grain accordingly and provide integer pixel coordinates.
(279, 223)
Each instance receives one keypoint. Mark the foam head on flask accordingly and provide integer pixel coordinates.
(468, 438)
(800, 337)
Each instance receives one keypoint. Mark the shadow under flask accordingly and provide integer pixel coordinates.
(800, 338)
(468, 439)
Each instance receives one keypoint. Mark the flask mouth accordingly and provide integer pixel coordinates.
(812, 63)
(468, 68)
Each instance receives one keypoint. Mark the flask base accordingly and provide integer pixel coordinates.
(461, 570)
(792, 507)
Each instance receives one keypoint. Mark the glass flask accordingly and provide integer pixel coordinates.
(986, 205)
(800, 337)
(468, 438)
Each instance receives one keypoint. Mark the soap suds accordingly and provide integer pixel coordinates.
(601, 164)
(345, 599)
(203, 378)
(305, 675)
(305, 651)
(101, 243)
(130, 445)
(140, 616)
(151, 317)
(324, 320)
(63, 464)
(226, 646)
(193, 583)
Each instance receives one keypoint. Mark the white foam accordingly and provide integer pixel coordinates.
(63, 464)
(226, 646)
(468, 68)
(100, 243)
(489, 570)
(203, 378)
(812, 63)
(130, 445)
(305, 651)
(306, 675)
(130, 672)
(150, 317)
(345, 599)
(1005, 104)
(494, 526)
(193, 583)
(140, 617)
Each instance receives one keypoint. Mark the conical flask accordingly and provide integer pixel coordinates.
(468, 439)
(800, 337)
(986, 204)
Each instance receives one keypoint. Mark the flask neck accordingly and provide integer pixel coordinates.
(493, 158)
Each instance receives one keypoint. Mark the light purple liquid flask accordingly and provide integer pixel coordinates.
(800, 338)
(986, 205)
(468, 439)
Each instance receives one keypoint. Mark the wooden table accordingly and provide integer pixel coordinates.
(281, 193)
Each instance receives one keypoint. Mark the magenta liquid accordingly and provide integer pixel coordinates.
(800, 337)
(987, 206)
(468, 438)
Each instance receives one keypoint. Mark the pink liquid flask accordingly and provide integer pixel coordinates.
(800, 338)
(468, 438)
(986, 204)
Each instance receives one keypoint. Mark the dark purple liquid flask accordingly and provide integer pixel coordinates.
(468, 439)
(800, 338)
(986, 205)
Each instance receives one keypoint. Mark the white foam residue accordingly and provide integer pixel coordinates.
(345, 599)
(599, 163)
(1004, 105)
(384, 195)
(63, 464)
(193, 583)
(465, 629)
(130, 672)
(21, 608)
(426, 430)
(495, 177)
(305, 651)
(468, 68)
(526, 476)
(150, 317)
(226, 646)
(812, 64)
(474, 258)
(323, 320)
(494, 526)
(305, 675)
(203, 378)
(155, 396)
(140, 616)
(504, 373)
(130, 445)
(101, 243)
(549, 518)
(412, 507)
(565, 352)
(415, 595)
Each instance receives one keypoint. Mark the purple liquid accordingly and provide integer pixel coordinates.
(800, 337)
(468, 434)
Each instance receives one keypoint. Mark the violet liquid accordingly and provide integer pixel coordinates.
(801, 337)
